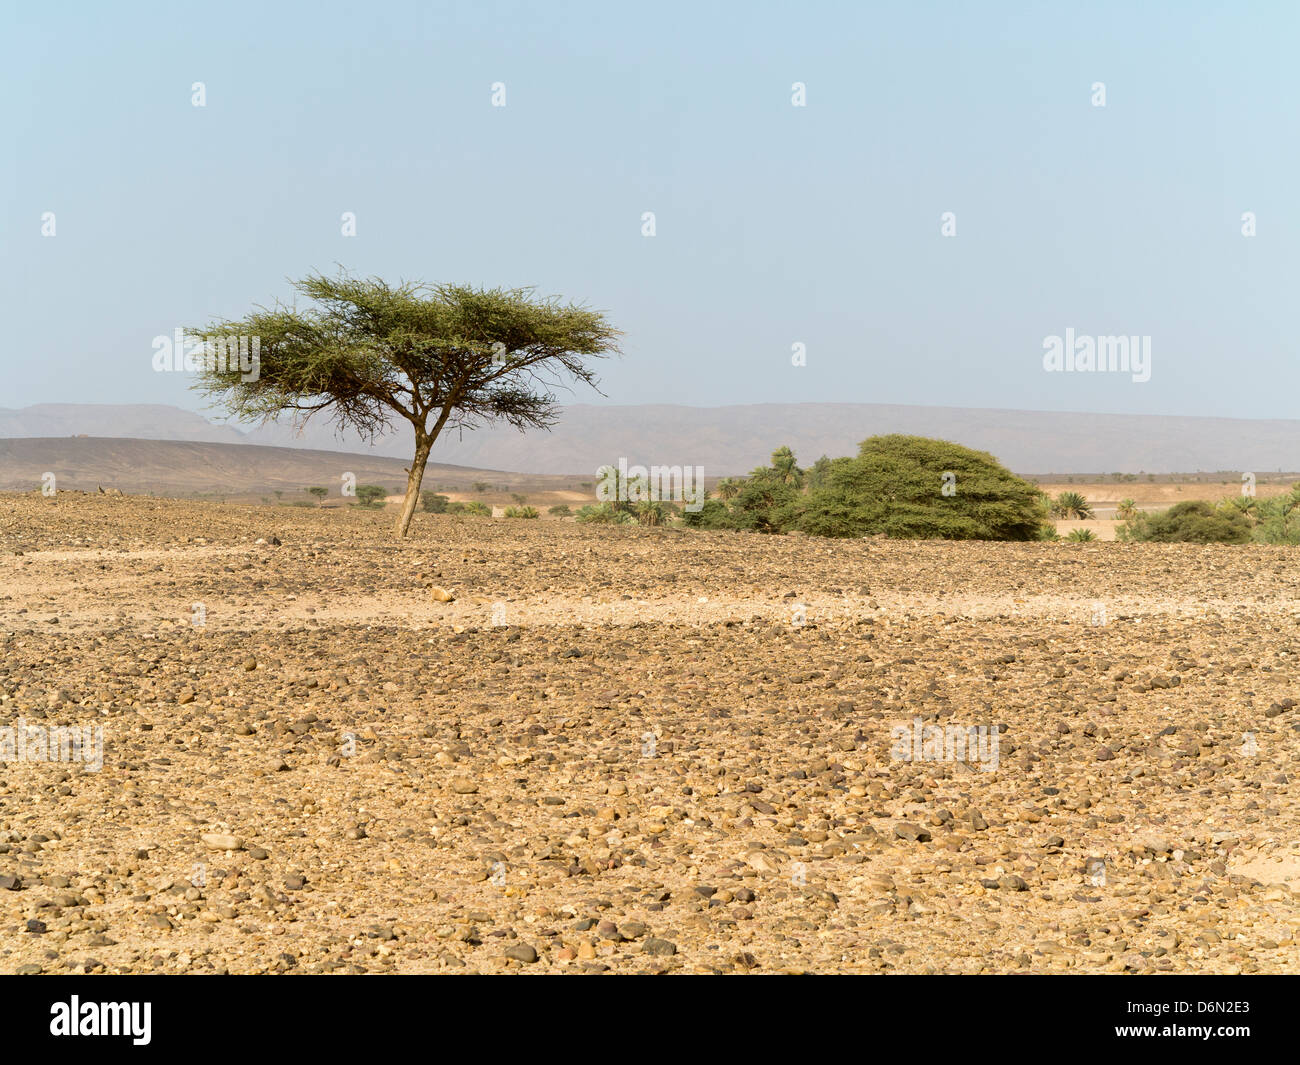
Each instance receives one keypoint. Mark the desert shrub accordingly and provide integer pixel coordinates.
(603, 514)
(469, 508)
(521, 512)
(653, 512)
(1081, 536)
(560, 510)
(1126, 510)
(1278, 519)
(1072, 505)
(894, 486)
(433, 503)
(815, 476)
(766, 497)
(713, 514)
(1194, 521)
(371, 496)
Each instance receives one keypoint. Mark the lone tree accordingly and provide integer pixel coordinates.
(439, 356)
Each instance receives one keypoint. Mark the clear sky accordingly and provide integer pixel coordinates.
(775, 224)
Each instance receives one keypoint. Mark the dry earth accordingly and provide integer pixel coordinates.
(615, 751)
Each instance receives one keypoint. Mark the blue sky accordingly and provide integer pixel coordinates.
(775, 224)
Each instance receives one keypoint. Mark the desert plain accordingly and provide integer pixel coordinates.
(636, 750)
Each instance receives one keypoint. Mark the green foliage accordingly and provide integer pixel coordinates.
(816, 475)
(1072, 505)
(1193, 521)
(560, 510)
(894, 486)
(318, 492)
(434, 503)
(765, 501)
(785, 469)
(1126, 510)
(1278, 519)
(521, 512)
(713, 514)
(475, 507)
(1081, 536)
(603, 514)
(367, 353)
(519, 498)
(651, 512)
(371, 496)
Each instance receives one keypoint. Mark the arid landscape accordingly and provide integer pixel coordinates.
(624, 749)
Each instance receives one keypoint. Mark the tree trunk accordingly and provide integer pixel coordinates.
(423, 445)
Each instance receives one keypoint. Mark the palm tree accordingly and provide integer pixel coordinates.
(651, 512)
(786, 468)
(729, 488)
(1072, 505)
(1244, 505)
(1127, 509)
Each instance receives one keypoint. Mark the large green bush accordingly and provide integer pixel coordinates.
(1278, 519)
(895, 486)
(1194, 522)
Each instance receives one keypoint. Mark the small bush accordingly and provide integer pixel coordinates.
(1081, 536)
(1072, 505)
(371, 496)
(560, 510)
(1192, 522)
(603, 514)
(433, 503)
(521, 512)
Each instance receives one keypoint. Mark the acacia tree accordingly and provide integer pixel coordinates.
(438, 356)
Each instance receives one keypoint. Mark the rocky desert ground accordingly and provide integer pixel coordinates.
(625, 750)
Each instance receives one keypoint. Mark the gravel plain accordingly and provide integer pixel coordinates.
(636, 750)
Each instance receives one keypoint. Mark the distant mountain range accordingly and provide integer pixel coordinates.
(238, 471)
(734, 439)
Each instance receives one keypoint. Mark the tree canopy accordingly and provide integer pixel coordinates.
(366, 353)
(917, 488)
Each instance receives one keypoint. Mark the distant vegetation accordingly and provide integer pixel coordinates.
(521, 512)
(905, 487)
(433, 503)
(371, 496)
(1237, 520)
(1072, 505)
